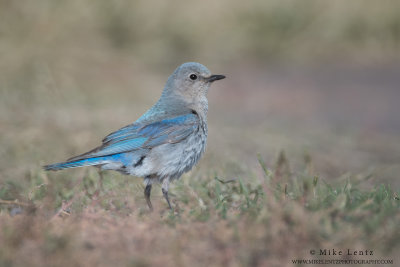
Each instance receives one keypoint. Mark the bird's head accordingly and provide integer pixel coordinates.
(190, 82)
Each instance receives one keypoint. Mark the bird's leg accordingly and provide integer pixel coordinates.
(165, 193)
(164, 189)
(147, 191)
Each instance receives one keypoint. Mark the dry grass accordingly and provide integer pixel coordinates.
(263, 222)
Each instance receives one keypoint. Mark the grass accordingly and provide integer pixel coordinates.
(252, 220)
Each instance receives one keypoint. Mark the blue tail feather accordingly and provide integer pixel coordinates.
(74, 164)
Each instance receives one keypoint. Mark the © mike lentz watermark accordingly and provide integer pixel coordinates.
(343, 256)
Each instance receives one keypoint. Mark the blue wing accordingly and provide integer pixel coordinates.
(145, 136)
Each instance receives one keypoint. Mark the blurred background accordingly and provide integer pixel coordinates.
(316, 79)
(312, 89)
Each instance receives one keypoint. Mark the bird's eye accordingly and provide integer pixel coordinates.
(193, 77)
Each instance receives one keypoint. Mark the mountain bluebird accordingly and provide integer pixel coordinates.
(166, 141)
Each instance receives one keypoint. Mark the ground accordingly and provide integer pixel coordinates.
(303, 154)
(286, 173)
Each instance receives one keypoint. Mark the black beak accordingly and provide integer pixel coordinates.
(213, 78)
